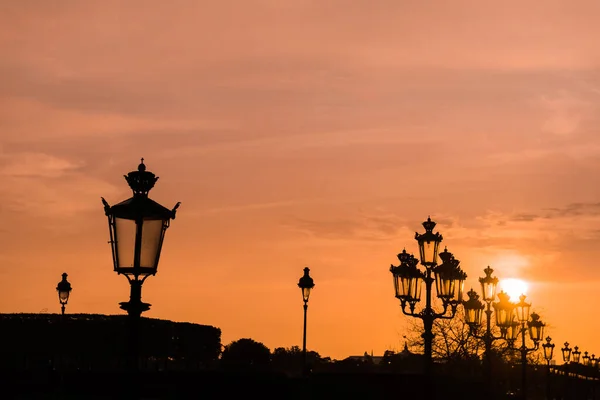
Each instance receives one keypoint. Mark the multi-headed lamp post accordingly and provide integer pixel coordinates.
(306, 284)
(473, 307)
(449, 282)
(513, 319)
(64, 291)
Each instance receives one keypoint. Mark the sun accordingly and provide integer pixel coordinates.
(514, 288)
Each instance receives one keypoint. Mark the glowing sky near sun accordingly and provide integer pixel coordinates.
(302, 132)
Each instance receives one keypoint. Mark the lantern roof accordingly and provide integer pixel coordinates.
(64, 285)
(306, 282)
(141, 181)
(140, 207)
(488, 279)
(428, 236)
(473, 303)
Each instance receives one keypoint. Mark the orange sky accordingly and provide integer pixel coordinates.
(297, 133)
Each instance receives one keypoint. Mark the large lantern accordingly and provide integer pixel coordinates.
(449, 278)
(407, 278)
(548, 349)
(137, 229)
(504, 310)
(522, 309)
(488, 285)
(429, 244)
(306, 283)
(536, 328)
(473, 308)
(576, 354)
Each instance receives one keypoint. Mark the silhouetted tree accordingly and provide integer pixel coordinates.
(246, 353)
(290, 361)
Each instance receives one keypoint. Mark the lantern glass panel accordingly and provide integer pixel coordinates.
(522, 310)
(460, 289)
(488, 290)
(63, 296)
(152, 233)
(473, 316)
(125, 230)
(536, 332)
(415, 293)
(513, 331)
(548, 352)
(566, 353)
(306, 293)
(429, 251)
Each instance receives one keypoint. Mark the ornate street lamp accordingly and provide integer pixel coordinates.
(520, 324)
(306, 284)
(137, 229)
(566, 355)
(64, 291)
(473, 315)
(548, 352)
(449, 282)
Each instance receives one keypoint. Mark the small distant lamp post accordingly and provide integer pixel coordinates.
(449, 281)
(548, 353)
(64, 290)
(306, 284)
(566, 355)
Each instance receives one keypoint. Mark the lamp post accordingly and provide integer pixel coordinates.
(64, 291)
(448, 277)
(566, 354)
(306, 284)
(515, 320)
(137, 229)
(473, 316)
(548, 353)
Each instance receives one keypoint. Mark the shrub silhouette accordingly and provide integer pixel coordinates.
(246, 353)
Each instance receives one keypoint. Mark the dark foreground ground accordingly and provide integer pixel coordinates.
(220, 385)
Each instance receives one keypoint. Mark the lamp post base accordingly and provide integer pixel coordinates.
(135, 308)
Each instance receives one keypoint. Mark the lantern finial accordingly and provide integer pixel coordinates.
(429, 225)
(141, 181)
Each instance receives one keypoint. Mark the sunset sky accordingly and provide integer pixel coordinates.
(299, 133)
